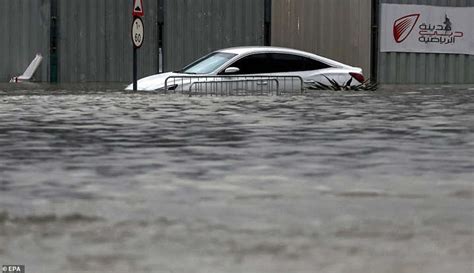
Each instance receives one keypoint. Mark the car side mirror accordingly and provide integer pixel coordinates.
(231, 70)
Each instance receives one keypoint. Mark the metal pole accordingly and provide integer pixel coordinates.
(374, 57)
(161, 22)
(267, 25)
(53, 43)
(135, 73)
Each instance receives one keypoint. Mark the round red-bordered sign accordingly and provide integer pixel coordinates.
(138, 32)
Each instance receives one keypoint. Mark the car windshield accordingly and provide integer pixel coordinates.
(208, 64)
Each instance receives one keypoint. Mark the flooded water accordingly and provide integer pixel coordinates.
(94, 179)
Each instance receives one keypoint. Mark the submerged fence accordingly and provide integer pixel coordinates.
(234, 85)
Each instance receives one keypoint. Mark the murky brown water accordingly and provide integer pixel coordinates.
(93, 179)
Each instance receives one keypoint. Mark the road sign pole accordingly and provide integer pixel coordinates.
(137, 35)
(135, 72)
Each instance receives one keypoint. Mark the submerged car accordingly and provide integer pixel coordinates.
(240, 62)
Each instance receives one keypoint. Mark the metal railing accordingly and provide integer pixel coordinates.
(234, 85)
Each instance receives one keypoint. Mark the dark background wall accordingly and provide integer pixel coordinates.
(24, 32)
(194, 28)
(94, 42)
(337, 29)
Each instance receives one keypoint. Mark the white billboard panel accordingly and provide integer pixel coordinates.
(427, 29)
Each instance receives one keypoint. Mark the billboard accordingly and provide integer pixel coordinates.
(427, 29)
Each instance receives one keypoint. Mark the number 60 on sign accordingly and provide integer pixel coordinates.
(137, 32)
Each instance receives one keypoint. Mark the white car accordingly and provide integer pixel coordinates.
(240, 62)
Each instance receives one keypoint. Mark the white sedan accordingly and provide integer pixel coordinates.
(267, 62)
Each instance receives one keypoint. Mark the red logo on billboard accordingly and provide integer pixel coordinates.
(404, 26)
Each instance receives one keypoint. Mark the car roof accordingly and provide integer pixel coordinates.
(244, 50)
(256, 49)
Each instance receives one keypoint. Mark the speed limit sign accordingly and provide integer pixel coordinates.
(138, 32)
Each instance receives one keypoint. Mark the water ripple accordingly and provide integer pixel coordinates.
(92, 176)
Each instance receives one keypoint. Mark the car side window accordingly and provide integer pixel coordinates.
(281, 62)
(253, 64)
(275, 63)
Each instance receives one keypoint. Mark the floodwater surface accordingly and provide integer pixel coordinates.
(95, 179)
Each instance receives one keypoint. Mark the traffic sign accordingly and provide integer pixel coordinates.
(138, 8)
(138, 32)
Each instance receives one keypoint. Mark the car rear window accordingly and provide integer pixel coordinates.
(293, 63)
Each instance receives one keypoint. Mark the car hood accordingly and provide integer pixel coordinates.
(154, 82)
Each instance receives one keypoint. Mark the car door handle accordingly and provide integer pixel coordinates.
(262, 83)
